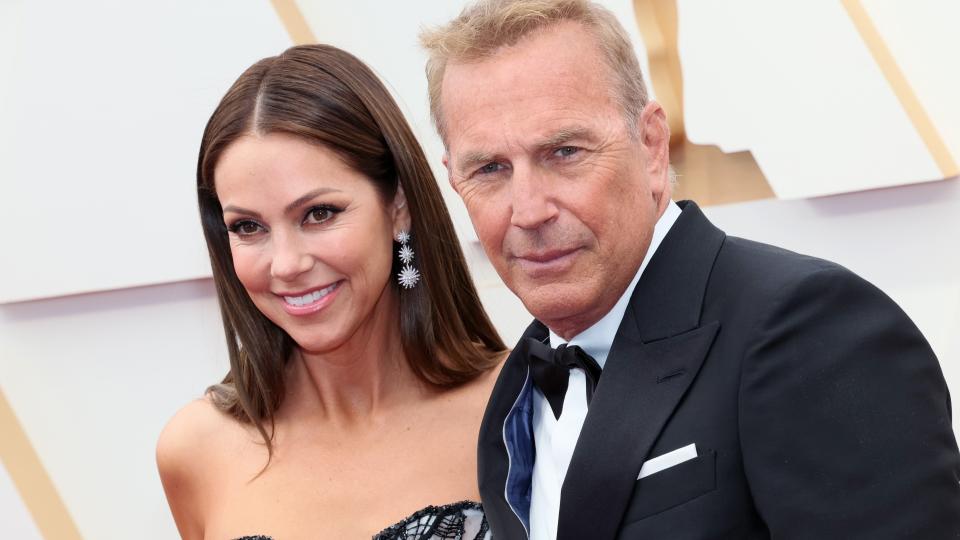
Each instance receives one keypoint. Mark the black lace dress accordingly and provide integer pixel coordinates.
(458, 521)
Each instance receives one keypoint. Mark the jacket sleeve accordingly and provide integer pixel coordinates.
(845, 419)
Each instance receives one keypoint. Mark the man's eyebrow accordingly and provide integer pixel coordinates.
(302, 200)
(563, 136)
(471, 159)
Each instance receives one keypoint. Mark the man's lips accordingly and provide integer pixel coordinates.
(543, 263)
(545, 256)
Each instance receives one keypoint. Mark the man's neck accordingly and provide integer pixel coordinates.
(597, 336)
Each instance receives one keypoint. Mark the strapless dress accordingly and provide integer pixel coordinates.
(459, 521)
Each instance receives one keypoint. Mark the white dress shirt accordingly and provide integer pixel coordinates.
(555, 438)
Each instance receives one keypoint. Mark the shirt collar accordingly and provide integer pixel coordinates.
(597, 339)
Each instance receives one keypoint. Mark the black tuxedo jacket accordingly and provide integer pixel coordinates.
(817, 408)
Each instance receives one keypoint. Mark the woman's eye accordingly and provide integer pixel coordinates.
(320, 214)
(245, 228)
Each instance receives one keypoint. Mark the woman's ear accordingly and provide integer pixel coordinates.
(401, 212)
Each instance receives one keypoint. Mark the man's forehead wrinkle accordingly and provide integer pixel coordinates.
(505, 146)
(482, 127)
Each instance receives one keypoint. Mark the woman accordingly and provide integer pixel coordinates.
(360, 356)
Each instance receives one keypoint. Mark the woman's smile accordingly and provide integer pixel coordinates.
(311, 301)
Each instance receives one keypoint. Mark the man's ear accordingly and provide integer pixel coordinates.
(654, 133)
(446, 164)
(401, 211)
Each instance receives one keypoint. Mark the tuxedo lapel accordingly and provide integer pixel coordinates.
(493, 461)
(656, 355)
(636, 395)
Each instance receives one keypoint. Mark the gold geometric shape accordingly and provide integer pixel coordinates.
(901, 88)
(705, 173)
(710, 176)
(31, 480)
(657, 20)
(293, 21)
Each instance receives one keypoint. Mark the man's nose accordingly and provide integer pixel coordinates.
(290, 257)
(532, 195)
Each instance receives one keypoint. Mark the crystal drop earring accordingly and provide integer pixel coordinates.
(408, 276)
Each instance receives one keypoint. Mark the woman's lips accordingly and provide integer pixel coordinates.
(311, 301)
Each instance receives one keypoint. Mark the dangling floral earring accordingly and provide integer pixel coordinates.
(408, 276)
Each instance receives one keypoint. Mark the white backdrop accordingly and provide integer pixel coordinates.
(103, 104)
(94, 377)
(796, 85)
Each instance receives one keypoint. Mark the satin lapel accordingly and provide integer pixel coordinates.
(492, 461)
(617, 435)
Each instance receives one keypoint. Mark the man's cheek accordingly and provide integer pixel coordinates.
(492, 239)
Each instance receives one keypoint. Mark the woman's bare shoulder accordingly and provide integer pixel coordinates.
(186, 433)
(187, 451)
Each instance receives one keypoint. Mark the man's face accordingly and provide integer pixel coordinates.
(562, 194)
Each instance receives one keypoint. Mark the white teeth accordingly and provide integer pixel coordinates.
(309, 298)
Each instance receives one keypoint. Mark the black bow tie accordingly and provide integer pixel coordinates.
(550, 369)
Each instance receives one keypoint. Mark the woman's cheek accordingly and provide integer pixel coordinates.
(250, 268)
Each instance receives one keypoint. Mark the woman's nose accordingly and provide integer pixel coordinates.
(290, 258)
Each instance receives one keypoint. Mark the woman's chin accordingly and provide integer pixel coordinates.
(313, 344)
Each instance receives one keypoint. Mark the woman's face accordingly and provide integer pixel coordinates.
(311, 238)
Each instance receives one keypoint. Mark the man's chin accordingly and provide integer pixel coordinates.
(556, 303)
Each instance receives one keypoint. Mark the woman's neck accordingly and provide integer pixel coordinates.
(351, 385)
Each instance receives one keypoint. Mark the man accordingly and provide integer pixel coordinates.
(742, 391)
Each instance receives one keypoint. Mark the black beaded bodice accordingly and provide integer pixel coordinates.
(459, 521)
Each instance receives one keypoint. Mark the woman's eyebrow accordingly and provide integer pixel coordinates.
(303, 199)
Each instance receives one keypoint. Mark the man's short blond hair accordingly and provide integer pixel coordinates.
(485, 26)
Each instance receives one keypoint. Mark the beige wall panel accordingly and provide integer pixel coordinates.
(795, 83)
(103, 105)
(94, 378)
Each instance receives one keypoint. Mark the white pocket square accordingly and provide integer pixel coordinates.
(668, 460)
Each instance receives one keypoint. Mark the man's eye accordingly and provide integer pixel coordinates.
(489, 168)
(566, 151)
(320, 214)
(245, 228)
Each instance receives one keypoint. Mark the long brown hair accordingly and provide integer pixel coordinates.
(329, 97)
